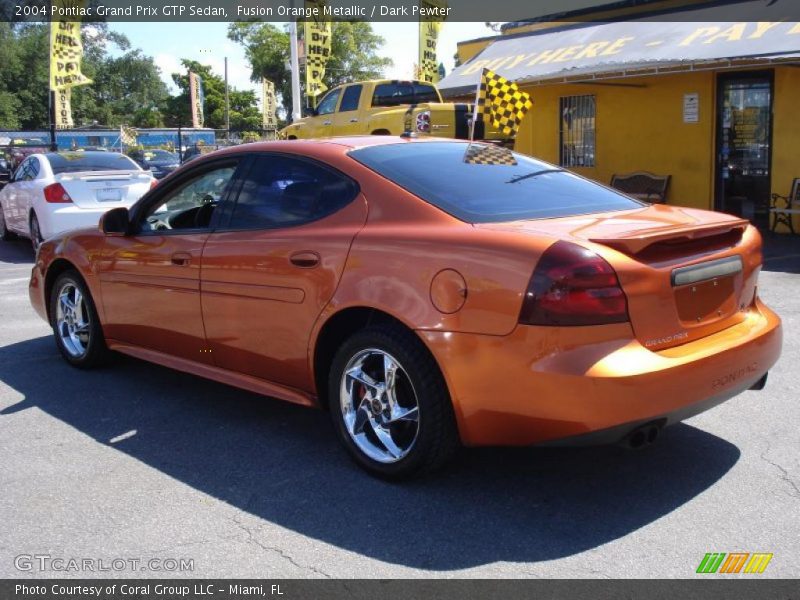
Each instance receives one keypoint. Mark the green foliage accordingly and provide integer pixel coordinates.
(354, 55)
(127, 89)
(244, 112)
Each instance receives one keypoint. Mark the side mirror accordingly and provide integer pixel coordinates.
(117, 221)
(309, 112)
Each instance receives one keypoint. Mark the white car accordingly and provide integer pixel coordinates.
(57, 192)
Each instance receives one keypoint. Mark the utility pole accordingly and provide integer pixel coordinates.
(295, 67)
(227, 104)
(51, 94)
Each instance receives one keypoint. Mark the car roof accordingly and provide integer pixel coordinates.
(345, 143)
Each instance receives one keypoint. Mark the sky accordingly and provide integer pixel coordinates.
(207, 43)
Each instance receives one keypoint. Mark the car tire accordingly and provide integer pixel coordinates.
(76, 325)
(36, 233)
(5, 234)
(414, 409)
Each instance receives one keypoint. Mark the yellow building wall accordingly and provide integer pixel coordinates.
(466, 50)
(639, 127)
(785, 134)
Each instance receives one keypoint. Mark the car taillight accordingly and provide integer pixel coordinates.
(424, 121)
(573, 286)
(56, 194)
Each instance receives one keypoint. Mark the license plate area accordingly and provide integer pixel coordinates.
(706, 301)
(109, 195)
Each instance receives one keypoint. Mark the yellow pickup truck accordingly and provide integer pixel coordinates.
(387, 107)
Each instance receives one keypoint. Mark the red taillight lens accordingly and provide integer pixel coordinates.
(573, 286)
(56, 194)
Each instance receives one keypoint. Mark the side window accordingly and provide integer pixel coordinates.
(392, 94)
(23, 171)
(34, 167)
(281, 191)
(191, 205)
(328, 104)
(352, 94)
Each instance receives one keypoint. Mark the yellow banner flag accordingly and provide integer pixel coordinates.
(197, 98)
(428, 64)
(64, 108)
(66, 50)
(317, 41)
(269, 120)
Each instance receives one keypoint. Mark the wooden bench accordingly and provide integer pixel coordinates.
(643, 185)
(791, 206)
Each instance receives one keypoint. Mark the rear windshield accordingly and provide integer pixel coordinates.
(480, 183)
(70, 162)
(403, 92)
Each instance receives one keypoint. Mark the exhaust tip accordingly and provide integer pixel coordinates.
(642, 436)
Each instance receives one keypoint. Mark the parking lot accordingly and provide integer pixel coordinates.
(138, 462)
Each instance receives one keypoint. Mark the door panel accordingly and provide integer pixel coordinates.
(347, 120)
(151, 293)
(264, 289)
(744, 145)
(151, 281)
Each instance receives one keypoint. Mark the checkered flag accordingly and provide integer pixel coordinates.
(127, 135)
(502, 102)
(488, 154)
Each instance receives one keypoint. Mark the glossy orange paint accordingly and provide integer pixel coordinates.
(247, 307)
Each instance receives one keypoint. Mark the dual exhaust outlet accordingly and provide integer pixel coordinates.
(643, 436)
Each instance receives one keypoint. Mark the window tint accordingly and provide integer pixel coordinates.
(70, 162)
(24, 171)
(192, 204)
(281, 191)
(403, 92)
(328, 104)
(350, 99)
(34, 168)
(486, 184)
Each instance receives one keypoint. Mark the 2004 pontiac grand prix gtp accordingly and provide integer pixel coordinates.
(427, 293)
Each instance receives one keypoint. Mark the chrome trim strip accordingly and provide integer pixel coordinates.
(707, 270)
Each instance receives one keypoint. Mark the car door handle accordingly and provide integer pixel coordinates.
(326, 122)
(354, 120)
(182, 259)
(305, 259)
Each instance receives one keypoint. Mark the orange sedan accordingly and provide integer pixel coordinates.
(427, 293)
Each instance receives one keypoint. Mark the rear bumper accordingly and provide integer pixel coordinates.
(69, 217)
(542, 384)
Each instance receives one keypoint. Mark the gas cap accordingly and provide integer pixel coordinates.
(448, 291)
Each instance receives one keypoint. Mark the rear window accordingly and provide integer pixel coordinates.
(480, 183)
(70, 162)
(403, 92)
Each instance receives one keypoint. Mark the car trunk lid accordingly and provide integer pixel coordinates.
(686, 273)
(95, 189)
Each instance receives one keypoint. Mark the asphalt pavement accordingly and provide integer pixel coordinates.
(136, 462)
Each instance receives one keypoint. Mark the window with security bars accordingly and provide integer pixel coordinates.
(577, 133)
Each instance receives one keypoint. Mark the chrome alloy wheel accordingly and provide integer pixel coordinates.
(379, 406)
(72, 320)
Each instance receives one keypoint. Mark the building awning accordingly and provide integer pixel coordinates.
(589, 52)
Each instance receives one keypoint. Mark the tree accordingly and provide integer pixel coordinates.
(24, 76)
(244, 113)
(127, 89)
(354, 55)
(122, 88)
